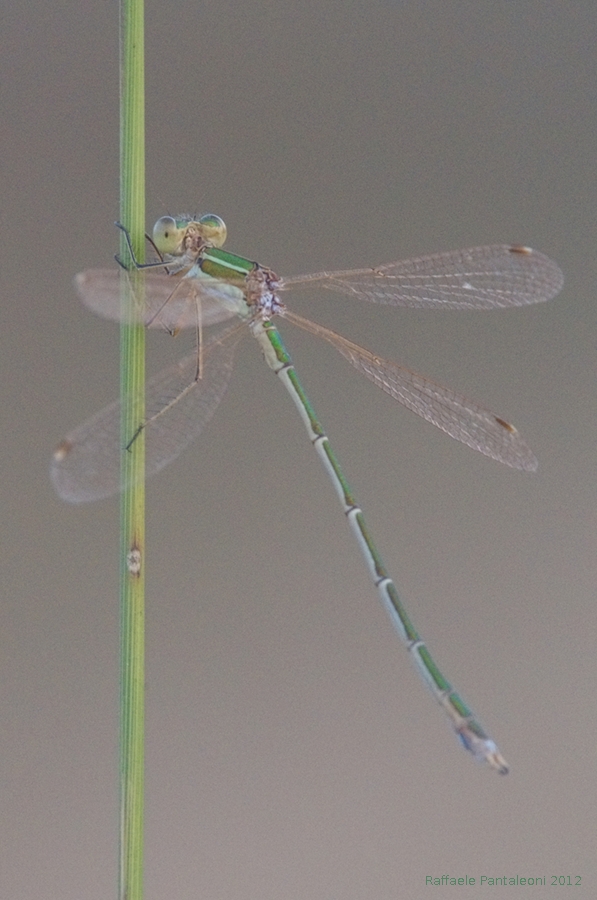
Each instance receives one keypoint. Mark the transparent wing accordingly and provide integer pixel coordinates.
(86, 464)
(477, 278)
(170, 301)
(462, 419)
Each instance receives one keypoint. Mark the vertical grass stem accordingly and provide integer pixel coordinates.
(132, 509)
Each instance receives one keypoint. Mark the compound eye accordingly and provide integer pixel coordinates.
(213, 229)
(166, 235)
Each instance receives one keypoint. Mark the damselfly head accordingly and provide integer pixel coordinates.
(187, 236)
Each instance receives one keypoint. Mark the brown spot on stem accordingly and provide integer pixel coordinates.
(133, 561)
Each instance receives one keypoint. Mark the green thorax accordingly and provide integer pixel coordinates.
(224, 265)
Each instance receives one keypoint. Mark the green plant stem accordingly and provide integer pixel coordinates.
(132, 509)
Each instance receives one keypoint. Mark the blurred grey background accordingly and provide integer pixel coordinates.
(291, 751)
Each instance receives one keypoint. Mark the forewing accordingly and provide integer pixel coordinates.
(169, 301)
(478, 278)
